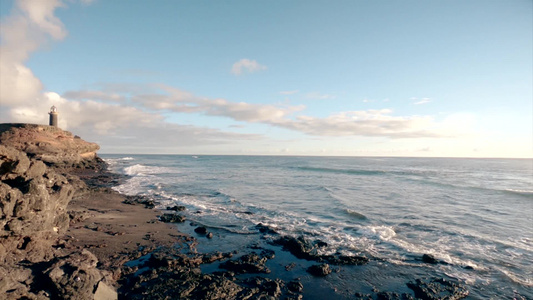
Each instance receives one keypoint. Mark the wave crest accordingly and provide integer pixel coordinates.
(355, 214)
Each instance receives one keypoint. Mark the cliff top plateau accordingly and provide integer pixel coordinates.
(51, 145)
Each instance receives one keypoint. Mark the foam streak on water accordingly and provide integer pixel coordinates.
(470, 213)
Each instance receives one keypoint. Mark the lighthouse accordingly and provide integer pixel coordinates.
(53, 116)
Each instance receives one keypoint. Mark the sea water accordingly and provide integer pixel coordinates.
(475, 215)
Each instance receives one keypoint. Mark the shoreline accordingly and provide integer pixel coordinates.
(145, 255)
(109, 228)
(126, 233)
(67, 234)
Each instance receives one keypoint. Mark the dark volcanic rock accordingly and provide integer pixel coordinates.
(295, 286)
(319, 270)
(392, 296)
(33, 201)
(438, 288)
(140, 199)
(430, 259)
(268, 286)
(172, 218)
(76, 277)
(249, 263)
(265, 229)
(303, 249)
(176, 208)
(172, 275)
(343, 259)
(200, 230)
(298, 247)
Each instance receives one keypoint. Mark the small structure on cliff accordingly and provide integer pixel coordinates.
(53, 116)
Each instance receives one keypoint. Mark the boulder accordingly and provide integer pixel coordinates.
(303, 249)
(249, 263)
(200, 230)
(430, 259)
(172, 218)
(438, 288)
(319, 270)
(76, 277)
(176, 208)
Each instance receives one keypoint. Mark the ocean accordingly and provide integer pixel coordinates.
(473, 215)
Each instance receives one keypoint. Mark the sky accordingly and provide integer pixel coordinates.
(338, 78)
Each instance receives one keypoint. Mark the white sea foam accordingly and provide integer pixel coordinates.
(520, 192)
(384, 233)
(138, 169)
(524, 280)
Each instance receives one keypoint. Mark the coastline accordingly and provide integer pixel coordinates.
(132, 242)
(151, 258)
(100, 244)
(111, 229)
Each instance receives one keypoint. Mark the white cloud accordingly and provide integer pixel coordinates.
(41, 13)
(93, 95)
(246, 65)
(368, 123)
(31, 24)
(184, 102)
(422, 101)
(377, 123)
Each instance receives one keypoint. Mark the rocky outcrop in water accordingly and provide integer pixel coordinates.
(168, 274)
(319, 270)
(304, 249)
(437, 288)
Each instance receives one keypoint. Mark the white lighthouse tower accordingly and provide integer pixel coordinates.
(53, 116)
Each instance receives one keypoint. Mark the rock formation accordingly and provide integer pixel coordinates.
(51, 145)
(34, 194)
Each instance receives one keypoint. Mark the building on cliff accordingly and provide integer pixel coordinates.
(53, 116)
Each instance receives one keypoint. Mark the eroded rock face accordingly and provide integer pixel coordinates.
(33, 202)
(33, 213)
(51, 145)
(76, 277)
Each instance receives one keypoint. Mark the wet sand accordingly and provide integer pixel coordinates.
(113, 230)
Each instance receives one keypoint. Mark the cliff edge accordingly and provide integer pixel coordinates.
(35, 189)
(51, 145)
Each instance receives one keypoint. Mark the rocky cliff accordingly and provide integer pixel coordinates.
(51, 145)
(35, 189)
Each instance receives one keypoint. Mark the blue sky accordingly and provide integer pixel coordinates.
(388, 78)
